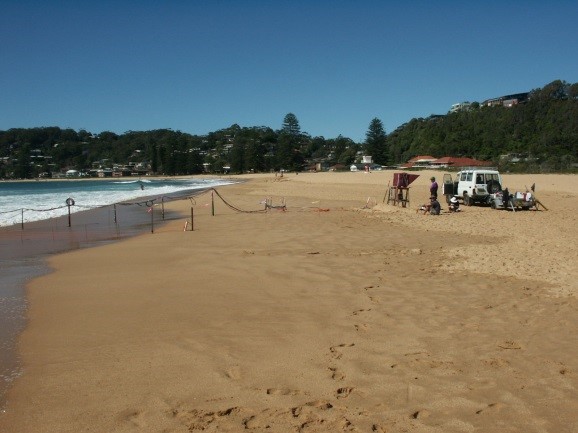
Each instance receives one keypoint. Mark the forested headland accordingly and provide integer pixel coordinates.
(539, 135)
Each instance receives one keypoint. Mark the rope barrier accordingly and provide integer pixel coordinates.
(236, 208)
(10, 211)
(150, 203)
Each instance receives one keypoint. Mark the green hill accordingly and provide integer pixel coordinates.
(540, 134)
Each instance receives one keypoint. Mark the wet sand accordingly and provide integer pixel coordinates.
(339, 314)
(25, 247)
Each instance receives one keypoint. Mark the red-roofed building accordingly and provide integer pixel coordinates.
(419, 161)
(447, 161)
(450, 161)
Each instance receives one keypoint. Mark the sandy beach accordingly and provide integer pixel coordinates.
(338, 313)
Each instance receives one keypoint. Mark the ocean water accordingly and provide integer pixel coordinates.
(23, 246)
(39, 200)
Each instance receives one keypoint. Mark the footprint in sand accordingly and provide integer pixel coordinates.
(491, 407)
(375, 299)
(343, 392)
(197, 420)
(358, 312)
(336, 374)
(319, 404)
(336, 352)
(421, 414)
(362, 327)
(233, 372)
(282, 391)
(509, 344)
(372, 298)
(134, 417)
(309, 408)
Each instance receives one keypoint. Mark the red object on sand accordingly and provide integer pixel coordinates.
(403, 180)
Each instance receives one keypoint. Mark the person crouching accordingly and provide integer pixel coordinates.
(454, 205)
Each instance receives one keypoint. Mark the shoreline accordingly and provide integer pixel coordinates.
(341, 307)
(25, 253)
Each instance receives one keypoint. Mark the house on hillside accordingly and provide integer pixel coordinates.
(460, 106)
(506, 100)
(451, 162)
(420, 161)
(445, 162)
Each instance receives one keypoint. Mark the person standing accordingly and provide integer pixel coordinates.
(433, 188)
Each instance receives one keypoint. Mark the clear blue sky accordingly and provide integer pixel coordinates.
(199, 66)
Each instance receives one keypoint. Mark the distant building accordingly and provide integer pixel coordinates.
(420, 161)
(461, 106)
(445, 162)
(507, 100)
(336, 167)
(366, 159)
(451, 162)
(104, 172)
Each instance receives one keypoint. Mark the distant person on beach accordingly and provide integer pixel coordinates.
(433, 208)
(454, 205)
(433, 189)
(141, 186)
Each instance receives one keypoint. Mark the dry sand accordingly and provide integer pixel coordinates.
(341, 313)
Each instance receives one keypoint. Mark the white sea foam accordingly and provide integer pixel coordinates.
(34, 201)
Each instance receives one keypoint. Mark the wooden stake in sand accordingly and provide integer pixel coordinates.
(69, 203)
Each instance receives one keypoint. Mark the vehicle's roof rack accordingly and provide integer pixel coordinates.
(478, 167)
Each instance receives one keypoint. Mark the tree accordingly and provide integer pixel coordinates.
(23, 169)
(348, 156)
(289, 155)
(291, 125)
(194, 162)
(376, 142)
(154, 157)
(237, 157)
(255, 156)
(573, 91)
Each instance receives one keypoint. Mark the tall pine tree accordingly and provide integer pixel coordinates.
(288, 151)
(376, 142)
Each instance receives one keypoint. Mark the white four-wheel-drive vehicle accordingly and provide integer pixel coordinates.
(472, 185)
